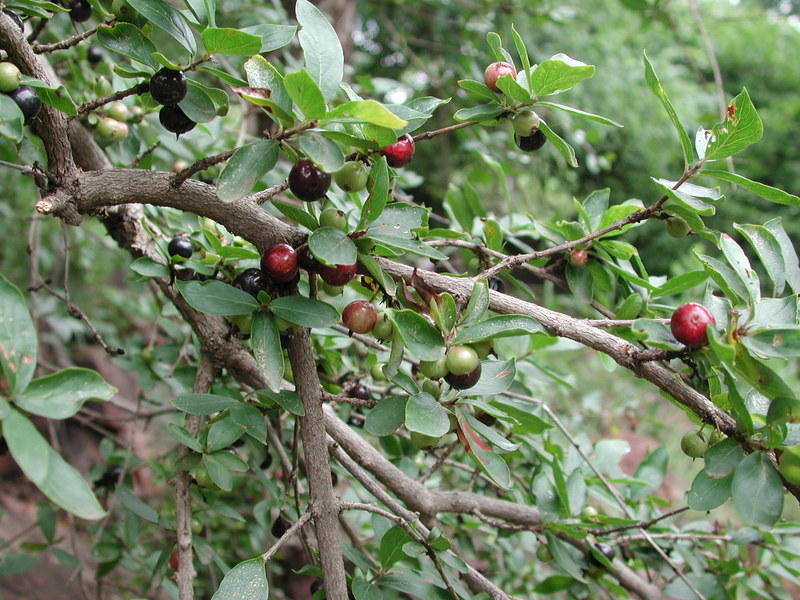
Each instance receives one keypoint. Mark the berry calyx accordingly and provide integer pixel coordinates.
(251, 281)
(307, 181)
(677, 227)
(689, 324)
(352, 177)
(173, 119)
(360, 316)
(168, 86)
(337, 274)
(525, 123)
(28, 102)
(578, 258)
(9, 77)
(531, 143)
(693, 445)
(80, 11)
(401, 152)
(332, 217)
(496, 70)
(464, 382)
(180, 245)
(111, 130)
(461, 360)
(280, 262)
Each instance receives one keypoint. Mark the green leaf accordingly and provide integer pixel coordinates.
(773, 343)
(126, 39)
(364, 590)
(136, 506)
(272, 36)
(757, 491)
(267, 90)
(245, 581)
(57, 97)
(654, 85)
(217, 298)
(741, 127)
(149, 268)
(265, 341)
(247, 165)
(398, 220)
(512, 89)
(522, 51)
(482, 112)
(496, 377)
(498, 327)
(707, 493)
(321, 48)
(723, 458)
(385, 417)
(566, 150)
(184, 437)
(305, 93)
(488, 461)
(220, 473)
(741, 266)
(558, 74)
(287, 399)
(306, 312)
(422, 339)
(765, 191)
(203, 404)
(690, 196)
(367, 111)
(378, 188)
(331, 246)
(298, 215)
(62, 394)
(250, 418)
(477, 305)
(477, 87)
(680, 283)
(222, 432)
(769, 251)
(163, 15)
(425, 415)
(581, 113)
(17, 338)
(57, 480)
(322, 150)
(790, 261)
(197, 104)
(391, 549)
(231, 41)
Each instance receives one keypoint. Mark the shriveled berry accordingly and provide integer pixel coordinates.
(464, 382)
(168, 86)
(360, 316)
(337, 274)
(689, 324)
(251, 281)
(496, 70)
(280, 262)
(307, 181)
(401, 152)
(28, 102)
(531, 143)
(180, 245)
(173, 119)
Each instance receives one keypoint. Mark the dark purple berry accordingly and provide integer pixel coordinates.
(360, 391)
(531, 143)
(94, 55)
(168, 86)
(464, 382)
(251, 281)
(173, 119)
(80, 11)
(496, 284)
(180, 245)
(307, 181)
(28, 102)
(355, 421)
(15, 17)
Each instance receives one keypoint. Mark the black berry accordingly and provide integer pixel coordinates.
(464, 382)
(360, 391)
(173, 119)
(251, 281)
(531, 143)
(307, 181)
(80, 11)
(168, 86)
(496, 284)
(28, 102)
(94, 55)
(180, 245)
(280, 526)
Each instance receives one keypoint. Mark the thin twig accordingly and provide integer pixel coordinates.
(91, 105)
(304, 518)
(64, 44)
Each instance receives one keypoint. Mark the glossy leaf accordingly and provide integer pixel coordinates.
(769, 252)
(56, 479)
(197, 104)
(62, 394)
(368, 111)
(790, 260)
(323, 151)
(707, 493)
(757, 491)
(488, 461)
(496, 377)
(217, 298)
(230, 41)
(18, 348)
(166, 17)
(273, 36)
(385, 417)
(247, 165)
(203, 404)
(499, 326)
(422, 339)
(581, 113)
(265, 342)
(558, 74)
(738, 260)
(378, 188)
(321, 48)
(654, 85)
(391, 548)
(567, 151)
(741, 128)
(245, 581)
(767, 192)
(425, 415)
(128, 40)
(305, 93)
(331, 246)
(723, 458)
(303, 311)
(476, 307)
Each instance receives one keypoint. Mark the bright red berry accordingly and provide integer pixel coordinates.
(496, 70)
(280, 262)
(689, 324)
(337, 274)
(401, 152)
(578, 258)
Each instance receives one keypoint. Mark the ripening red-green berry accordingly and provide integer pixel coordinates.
(111, 130)
(401, 152)
(280, 262)
(525, 123)
(466, 381)
(496, 70)
(689, 324)
(360, 316)
(337, 274)
(461, 360)
(578, 258)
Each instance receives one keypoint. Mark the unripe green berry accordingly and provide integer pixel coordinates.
(677, 227)
(377, 372)
(525, 122)
(332, 217)
(352, 177)
(383, 328)
(118, 111)
(435, 369)
(9, 77)
(461, 360)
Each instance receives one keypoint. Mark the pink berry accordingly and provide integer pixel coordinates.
(496, 70)
(689, 324)
(280, 262)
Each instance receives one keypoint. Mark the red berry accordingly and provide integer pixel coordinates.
(401, 152)
(360, 391)
(495, 71)
(360, 316)
(689, 324)
(280, 262)
(338, 274)
(307, 181)
(251, 281)
(578, 258)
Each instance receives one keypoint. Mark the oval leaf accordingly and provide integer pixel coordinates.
(757, 491)
(203, 404)
(245, 581)
(62, 394)
(17, 338)
(331, 246)
(247, 165)
(217, 298)
(321, 48)
(425, 415)
(422, 339)
(231, 41)
(306, 312)
(266, 344)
